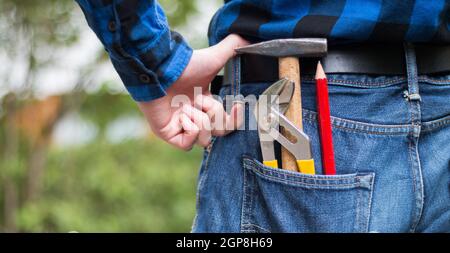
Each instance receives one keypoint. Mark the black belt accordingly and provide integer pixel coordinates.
(370, 59)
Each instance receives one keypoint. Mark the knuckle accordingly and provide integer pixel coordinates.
(194, 132)
(206, 121)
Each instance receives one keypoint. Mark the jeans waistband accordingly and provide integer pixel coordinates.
(372, 59)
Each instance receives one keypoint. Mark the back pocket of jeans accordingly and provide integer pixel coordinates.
(277, 200)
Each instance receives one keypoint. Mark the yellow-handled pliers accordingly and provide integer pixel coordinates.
(269, 110)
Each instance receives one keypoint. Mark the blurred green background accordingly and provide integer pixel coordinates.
(75, 152)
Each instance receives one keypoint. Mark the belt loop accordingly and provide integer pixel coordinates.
(412, 73)
(236, 82)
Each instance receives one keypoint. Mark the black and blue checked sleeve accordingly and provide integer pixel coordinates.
(149, 57)
(340, 21)
(135, 33)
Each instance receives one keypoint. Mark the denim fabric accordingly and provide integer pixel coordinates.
(392, 147)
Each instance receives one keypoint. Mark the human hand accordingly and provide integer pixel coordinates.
(200, 116)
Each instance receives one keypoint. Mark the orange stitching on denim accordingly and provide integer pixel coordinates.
(295, 183)
(259, 170)
(258, 166)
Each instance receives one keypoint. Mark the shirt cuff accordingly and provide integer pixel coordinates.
(145, 85)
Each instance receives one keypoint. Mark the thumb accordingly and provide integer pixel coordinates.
(226, 48)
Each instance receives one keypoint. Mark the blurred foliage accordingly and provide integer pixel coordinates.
(46, 22)
(34, 29)
(178, 11)
(137, 185)
(111, 107)
(133, 186)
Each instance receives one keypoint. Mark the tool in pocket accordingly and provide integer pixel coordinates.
(269, 110)
(288, 52)
(324, 122)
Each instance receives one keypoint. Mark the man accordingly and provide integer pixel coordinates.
(389, 88)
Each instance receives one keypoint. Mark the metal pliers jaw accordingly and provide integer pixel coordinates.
(269, 110)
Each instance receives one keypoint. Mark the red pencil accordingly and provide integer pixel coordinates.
(324, 118)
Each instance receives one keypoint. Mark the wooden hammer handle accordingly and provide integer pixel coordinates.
(289, 68)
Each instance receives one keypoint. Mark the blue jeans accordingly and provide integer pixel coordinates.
(392, 148)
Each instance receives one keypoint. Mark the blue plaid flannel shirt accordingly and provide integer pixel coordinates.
(149, 57)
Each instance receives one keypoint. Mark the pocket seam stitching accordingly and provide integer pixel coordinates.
(432, 81)
(247, 203)
(363, 205)
(369, 207)
(248, 227)
(356, 184)
(354, 175)
(202, 180)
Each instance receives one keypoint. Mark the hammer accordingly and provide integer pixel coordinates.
(288, 52)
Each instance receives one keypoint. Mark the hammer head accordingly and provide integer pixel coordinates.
(303, 47)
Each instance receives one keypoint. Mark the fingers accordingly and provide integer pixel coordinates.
(215, 112)
(188, 137)
(202, 122)
(221, 122)
(181, 131)
(230, 43)
(226, 48)
(196, 124)
(171, 129)
(236, 117)
(193, 127)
